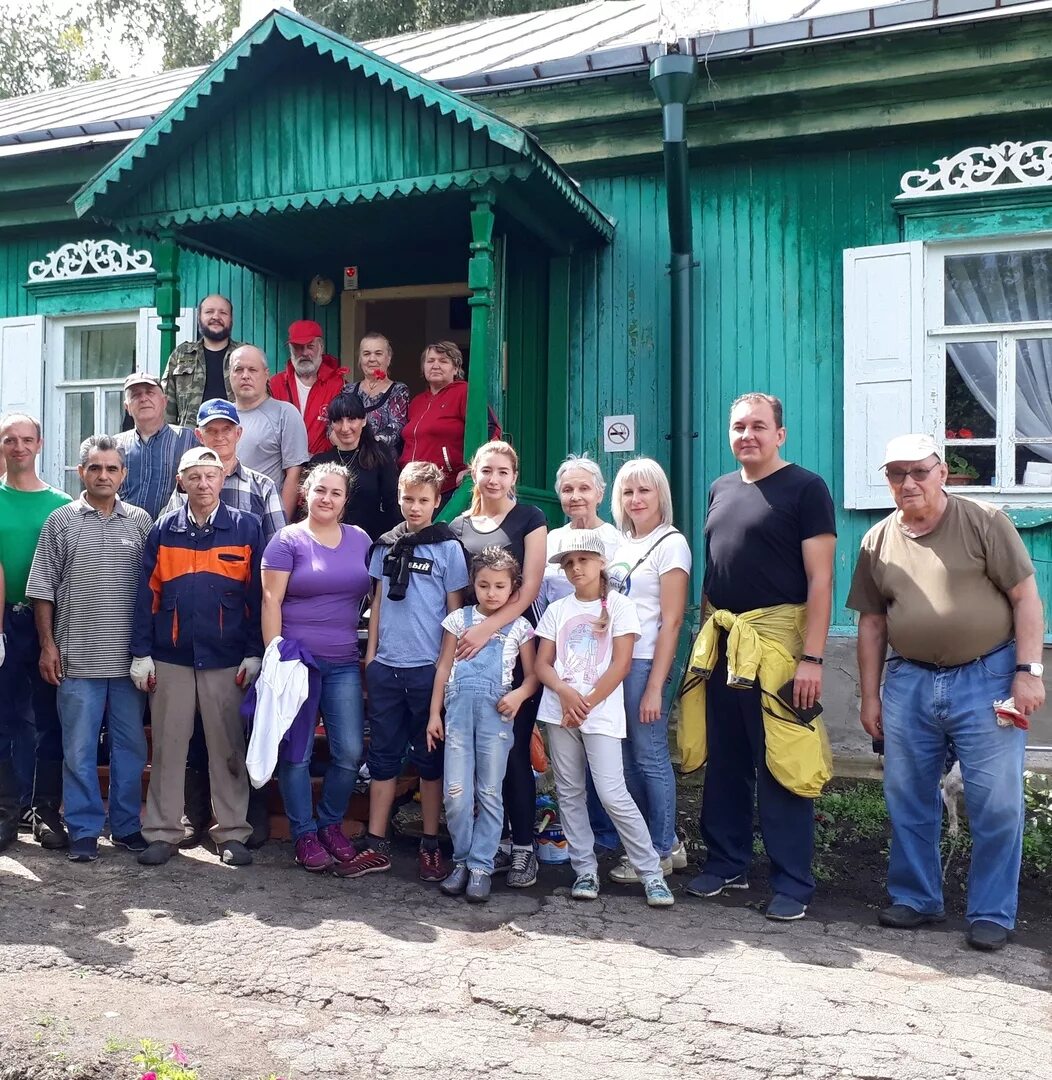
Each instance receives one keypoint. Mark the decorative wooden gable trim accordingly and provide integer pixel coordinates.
(117, 192)
(89, 275)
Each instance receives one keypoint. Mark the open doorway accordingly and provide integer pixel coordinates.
(409, 317)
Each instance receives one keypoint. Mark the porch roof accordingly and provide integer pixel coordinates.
(295, 118)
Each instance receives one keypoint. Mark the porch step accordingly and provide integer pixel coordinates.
(357, 812)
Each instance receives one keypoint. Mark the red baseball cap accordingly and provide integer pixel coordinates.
(304, 331)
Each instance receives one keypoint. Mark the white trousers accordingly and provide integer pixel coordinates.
(573, 755)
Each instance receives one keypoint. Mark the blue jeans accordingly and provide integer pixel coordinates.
(648, 771)
(478, 741)
(82, 705)
(924, 711)
(21, 681)
(648, 765)
(343, 712)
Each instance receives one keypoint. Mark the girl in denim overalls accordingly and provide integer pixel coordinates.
(480, 707)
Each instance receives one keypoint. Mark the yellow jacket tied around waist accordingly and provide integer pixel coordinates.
(763, 645)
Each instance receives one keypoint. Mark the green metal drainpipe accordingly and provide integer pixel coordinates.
(672, 78)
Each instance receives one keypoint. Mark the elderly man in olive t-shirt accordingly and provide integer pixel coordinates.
(948, 582)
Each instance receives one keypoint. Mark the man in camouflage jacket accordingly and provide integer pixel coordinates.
(186, 374)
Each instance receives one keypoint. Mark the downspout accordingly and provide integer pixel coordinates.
(672, 78)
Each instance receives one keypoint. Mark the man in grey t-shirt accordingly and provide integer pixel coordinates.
(274, 439)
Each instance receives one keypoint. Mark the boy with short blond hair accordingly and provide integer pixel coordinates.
(419, 572)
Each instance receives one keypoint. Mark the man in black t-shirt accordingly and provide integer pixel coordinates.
(199, 370)
(770, 536)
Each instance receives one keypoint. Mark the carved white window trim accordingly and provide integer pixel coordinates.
(1000, 166)
(90, 259)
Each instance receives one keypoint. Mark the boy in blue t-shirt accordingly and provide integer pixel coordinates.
(419, 571)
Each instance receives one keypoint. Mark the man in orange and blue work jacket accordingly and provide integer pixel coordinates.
(196, 643)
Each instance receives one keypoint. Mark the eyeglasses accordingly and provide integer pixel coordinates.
(918, 473)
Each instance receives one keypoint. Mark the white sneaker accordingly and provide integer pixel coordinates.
(625, 874)
(678, 855)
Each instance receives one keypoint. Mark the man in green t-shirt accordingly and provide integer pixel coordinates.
(25, 503)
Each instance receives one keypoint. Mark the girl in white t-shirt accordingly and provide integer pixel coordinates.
(584, 652)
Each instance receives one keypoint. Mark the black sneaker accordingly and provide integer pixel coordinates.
(86, 849)
(49, 830)
(25, 820)
(523, 870)
(157, 853)
(903, 917)
(987, 936)
(234, 853)
(133, 841)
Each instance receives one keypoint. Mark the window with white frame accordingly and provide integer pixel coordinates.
(90, 358)
(955, 340)
(994, 346)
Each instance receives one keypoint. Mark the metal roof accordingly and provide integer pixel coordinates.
(596, 38)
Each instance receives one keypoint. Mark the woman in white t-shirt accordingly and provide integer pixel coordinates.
(580, 486)
(652, 567)
(583, 653)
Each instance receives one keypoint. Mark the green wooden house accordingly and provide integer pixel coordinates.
(870, 193)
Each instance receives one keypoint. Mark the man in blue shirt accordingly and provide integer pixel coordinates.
(152, 449)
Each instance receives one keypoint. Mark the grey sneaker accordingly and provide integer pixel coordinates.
(456, 881)
(523, 870)
(478, 887)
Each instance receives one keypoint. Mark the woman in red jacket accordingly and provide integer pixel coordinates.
(434, 430)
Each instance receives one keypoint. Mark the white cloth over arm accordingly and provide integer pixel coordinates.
(281, 691)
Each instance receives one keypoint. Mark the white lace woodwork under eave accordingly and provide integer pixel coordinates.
(90, 258)
(983, 168)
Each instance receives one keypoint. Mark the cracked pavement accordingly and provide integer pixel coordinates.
(269, 970)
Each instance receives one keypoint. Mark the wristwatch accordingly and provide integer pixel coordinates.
(1031, 669)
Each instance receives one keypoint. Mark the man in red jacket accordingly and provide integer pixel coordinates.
(311, 380)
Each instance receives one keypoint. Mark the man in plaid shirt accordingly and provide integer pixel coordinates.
(219, 428)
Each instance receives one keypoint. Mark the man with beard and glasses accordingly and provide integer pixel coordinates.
(200, 370)
(311, 379)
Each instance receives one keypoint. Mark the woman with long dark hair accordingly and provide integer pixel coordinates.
(372, 504)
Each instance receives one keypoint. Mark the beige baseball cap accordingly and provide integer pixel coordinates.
(910, 448)
(199, 455)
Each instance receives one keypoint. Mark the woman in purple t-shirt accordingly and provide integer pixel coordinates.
(314, 578)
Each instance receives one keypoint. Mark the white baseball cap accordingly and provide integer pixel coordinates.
(575, 540)
(910, 448)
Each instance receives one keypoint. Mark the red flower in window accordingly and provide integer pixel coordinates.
(965, 433)
(951, 434)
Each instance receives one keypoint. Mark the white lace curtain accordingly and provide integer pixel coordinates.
(1005, 287)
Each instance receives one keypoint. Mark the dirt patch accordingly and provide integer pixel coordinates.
(852, 860)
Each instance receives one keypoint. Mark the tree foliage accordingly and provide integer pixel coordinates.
(37, 52)
(190, 33)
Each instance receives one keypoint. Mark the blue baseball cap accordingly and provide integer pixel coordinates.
(217, 409)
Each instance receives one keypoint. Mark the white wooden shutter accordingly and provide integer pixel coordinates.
(883, 362)
(22, 365)
(148, 337)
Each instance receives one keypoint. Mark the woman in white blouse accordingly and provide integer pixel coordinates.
(652, 566)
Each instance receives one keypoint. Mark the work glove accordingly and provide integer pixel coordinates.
(248, 672)
(143, 673)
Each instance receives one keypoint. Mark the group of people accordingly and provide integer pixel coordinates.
(219, 575)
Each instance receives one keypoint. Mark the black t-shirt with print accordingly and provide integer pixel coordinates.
(510, 535)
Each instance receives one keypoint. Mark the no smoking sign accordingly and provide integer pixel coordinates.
(619, 434)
